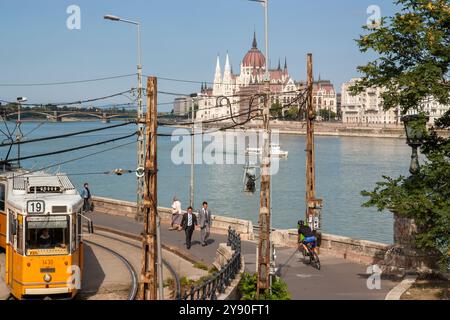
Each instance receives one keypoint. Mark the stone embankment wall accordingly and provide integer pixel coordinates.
(360, 251)
(334, 129)
(220, 224)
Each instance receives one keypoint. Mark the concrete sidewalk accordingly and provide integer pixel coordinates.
(4, 291)
(338, 279)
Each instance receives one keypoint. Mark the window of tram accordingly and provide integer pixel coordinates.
(48, 235)
(2, 197)
(20, 234)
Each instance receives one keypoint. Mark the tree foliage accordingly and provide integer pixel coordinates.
(327, 115)
(247, 287)
(413, 63)
(414, 54)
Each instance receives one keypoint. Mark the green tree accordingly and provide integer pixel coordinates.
(327, 114)
(413, 49)
(247, 287)
(291, 113)
(276, 110)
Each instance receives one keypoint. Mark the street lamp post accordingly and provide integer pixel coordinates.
(141, 148)
(415, 128)
(140, 113)
(192, 195)
(265, 253)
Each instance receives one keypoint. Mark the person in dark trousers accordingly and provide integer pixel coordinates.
(305, 234)
(87, 197)
(188, 224)
(204, 220)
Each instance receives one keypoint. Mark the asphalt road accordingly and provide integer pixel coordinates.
(338, 279)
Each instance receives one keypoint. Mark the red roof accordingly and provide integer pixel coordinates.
(254, 58)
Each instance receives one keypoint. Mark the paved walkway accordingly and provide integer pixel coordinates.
(337, 279)
(4, 292)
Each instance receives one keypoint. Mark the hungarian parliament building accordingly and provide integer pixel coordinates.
(240, 88)
(210, 103)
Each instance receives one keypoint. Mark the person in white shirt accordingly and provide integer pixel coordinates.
(176, 213)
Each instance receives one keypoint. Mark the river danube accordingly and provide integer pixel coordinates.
(344, 167)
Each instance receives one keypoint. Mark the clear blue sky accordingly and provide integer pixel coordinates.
(181, 39)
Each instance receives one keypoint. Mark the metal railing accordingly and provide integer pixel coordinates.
(221, 279)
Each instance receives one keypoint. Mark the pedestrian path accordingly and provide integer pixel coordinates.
(338, 279)
(4, 292)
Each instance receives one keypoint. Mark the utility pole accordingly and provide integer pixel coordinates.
(264, 246)
(313, 205)
(147, 284)
(19, 135)
(191, 200)
(140, 143)
(140, 116)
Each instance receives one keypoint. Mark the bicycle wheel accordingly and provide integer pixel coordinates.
(305, 254)
(316, 259)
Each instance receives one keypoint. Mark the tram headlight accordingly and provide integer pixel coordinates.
(47, 278)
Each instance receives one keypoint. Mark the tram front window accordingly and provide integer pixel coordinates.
(47, 235)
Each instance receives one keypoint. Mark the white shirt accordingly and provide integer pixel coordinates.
(176, 207)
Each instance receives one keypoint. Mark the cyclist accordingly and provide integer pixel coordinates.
(306, 235)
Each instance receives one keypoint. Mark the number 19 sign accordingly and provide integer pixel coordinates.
(35, 206)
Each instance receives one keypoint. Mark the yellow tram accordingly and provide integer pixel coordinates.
(40, 229)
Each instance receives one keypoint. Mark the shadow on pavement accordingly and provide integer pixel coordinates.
(93, 274)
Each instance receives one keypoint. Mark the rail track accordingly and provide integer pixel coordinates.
(135, 238)
(134, 278)
(133, 275)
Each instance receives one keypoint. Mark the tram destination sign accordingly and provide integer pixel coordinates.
(50, 222)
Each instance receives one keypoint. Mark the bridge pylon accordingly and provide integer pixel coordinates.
(105, 118)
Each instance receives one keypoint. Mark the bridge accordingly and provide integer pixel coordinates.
(57, 116)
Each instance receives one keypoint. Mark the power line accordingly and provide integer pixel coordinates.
(203, 82)
(68, 150)
(117, 172)
(73, 102)
(76, 159)
(67, 134)
(64, 82)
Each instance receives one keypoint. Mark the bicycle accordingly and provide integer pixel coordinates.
(309, 253)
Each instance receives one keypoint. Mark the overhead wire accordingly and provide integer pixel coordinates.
(71, 134)
(76, 159)
(72, 102)
(68, 150)
(65, 82)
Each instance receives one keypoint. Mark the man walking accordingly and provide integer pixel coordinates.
(176, 213)
(188, 224)
(87, 197)
(204, 221)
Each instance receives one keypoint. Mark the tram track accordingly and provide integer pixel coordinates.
(135, 238)
(134, 278)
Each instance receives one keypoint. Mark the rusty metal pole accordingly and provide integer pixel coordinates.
(310, 114)
(263, 280)
(148, 283)
(313, 205)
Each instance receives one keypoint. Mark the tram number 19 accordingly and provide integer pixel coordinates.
(35, 206)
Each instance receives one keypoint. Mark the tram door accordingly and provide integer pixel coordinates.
(11, 245)
(2, 217)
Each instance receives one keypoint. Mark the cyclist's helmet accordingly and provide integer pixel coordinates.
(301, 223)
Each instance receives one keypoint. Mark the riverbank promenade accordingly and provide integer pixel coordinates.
(338, 279)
